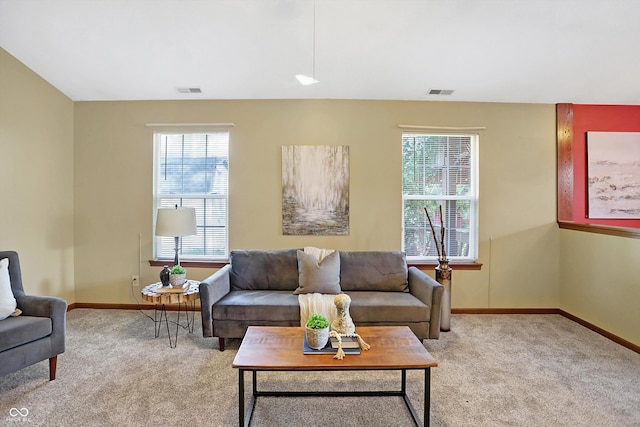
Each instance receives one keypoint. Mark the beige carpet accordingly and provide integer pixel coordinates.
(494, 370)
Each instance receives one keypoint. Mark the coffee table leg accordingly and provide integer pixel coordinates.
(254, 379)
(427, 396)
(407, 401)
(245, 419)
(403, 384)
(241, 397)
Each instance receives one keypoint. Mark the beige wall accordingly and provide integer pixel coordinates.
(78, 179)
(519, 244)
(36, 152)
(599, 281)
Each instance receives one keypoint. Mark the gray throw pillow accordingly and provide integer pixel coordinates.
(264, 270)
(373, 271)
(323, 277)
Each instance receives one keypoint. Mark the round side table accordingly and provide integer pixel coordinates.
(161, 296)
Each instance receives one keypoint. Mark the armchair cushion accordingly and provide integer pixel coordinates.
(7, 300)
(16, 331)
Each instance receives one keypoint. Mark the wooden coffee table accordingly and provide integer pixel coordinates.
(266, 348)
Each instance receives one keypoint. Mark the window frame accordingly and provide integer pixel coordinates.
(472, 197)
(181, 196)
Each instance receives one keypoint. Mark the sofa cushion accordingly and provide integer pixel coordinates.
(373, 271)
(264, 270)
(387, 307)
(258, 305)
(322, 277)
(16, 331)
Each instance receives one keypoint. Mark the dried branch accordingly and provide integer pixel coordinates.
(433, 232)
(440, 247)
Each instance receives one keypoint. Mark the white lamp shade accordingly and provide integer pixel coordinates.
(176, 222)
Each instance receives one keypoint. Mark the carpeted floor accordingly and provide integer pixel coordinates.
(494, 370)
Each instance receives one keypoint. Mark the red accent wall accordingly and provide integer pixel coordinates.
(603, 118)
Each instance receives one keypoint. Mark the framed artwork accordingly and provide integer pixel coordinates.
(315, 190)
(613, 175)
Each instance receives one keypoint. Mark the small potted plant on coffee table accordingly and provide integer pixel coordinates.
(177, 276)
(317, 330)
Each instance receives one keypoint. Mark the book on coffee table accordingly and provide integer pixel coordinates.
(347, 342)
(328, 349)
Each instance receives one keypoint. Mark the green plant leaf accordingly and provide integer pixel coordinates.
(178, 269)
(317, 321)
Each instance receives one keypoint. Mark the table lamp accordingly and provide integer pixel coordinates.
(176, 222)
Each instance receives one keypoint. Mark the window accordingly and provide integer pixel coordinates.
(439, 172)
(192, 170)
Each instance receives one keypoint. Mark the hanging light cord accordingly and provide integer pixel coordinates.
(314, 40)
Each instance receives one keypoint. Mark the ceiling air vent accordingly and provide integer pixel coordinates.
(440, 91)
(189, 90)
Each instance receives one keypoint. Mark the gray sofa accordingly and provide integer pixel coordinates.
(35, 335)
(257, 289)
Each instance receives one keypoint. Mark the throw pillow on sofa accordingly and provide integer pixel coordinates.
(321, 277)
(7, 301)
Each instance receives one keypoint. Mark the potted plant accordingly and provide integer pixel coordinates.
(317, 330)
(177, 276)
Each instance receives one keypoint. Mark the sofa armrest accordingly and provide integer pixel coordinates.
(430, 292)
(212, 289)
(51, 307)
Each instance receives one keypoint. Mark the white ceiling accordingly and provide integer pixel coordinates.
(540, 51)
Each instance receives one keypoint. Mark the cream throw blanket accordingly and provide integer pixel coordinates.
(317, 303)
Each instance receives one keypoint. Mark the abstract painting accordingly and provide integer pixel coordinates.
(315, 190)
(613, 168)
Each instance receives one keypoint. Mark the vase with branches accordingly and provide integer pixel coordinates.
(443, 272)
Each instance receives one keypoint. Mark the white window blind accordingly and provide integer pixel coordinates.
(439, 171)
(192, 170)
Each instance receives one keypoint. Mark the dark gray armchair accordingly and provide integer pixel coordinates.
(38, 333)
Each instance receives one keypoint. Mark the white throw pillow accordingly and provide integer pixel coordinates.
(7, 301)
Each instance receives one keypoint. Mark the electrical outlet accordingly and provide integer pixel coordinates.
(135, 281)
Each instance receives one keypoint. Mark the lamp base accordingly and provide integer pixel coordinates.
(176, 261)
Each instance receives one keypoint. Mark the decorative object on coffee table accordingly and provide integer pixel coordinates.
(343, 326)
(178, 276)
(317, 331)
(443, 273)
(340, 353)
(343, 323)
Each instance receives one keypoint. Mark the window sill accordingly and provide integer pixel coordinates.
(189, 263)
(461, 265)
